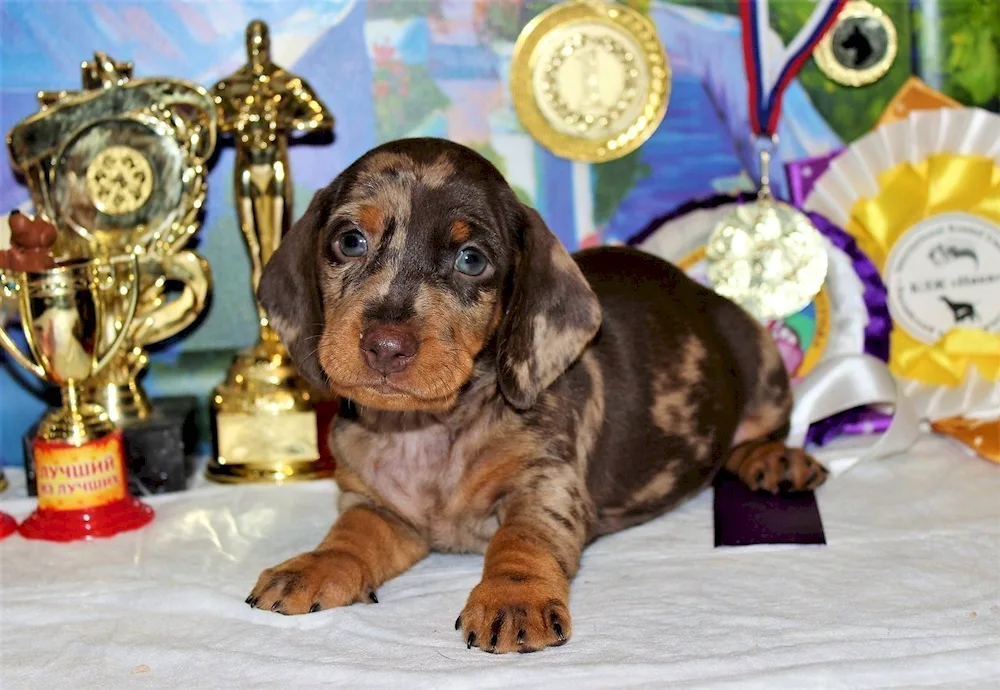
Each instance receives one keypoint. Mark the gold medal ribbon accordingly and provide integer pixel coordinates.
(909, 193)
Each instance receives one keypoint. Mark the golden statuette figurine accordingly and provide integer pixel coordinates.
(266, 426)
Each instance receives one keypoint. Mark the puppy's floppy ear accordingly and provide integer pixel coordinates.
(551, 317)
(289, 287)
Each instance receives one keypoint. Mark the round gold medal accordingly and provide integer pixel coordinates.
(590, 80)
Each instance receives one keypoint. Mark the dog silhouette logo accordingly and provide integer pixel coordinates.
(858, 44)
(961, 311)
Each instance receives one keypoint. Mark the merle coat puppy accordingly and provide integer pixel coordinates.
(501, 396)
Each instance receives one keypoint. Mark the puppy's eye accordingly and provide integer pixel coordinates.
(352, 244)
(471, 262)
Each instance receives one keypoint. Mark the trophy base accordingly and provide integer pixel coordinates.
(82, 491)
(159, 450)
(91, 523)
(286, 447)
(8, 525)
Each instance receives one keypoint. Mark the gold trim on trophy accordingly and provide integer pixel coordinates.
(860, 47)
(590, 80)
(264, 416)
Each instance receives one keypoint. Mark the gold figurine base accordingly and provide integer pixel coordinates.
(266, 429)
(266, 473)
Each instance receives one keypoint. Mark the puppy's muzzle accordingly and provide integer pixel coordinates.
(388, 348)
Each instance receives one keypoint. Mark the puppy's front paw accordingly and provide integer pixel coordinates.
(778, 469)
(311, 582)
(515, 614)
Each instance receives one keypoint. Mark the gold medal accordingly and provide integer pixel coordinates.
(590, 80)
(767, 256)
(861, 46)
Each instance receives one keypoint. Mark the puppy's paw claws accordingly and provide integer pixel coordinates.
(311, 582)
(522, 615)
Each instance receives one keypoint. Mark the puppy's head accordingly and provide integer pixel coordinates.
(410, 265)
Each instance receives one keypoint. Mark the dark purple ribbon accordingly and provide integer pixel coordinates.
(743, 517)
(856, 421)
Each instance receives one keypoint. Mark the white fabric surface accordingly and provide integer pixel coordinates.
(905, 594)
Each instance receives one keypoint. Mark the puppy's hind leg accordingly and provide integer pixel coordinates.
(759, 456)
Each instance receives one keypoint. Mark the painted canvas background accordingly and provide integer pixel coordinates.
(395, 68)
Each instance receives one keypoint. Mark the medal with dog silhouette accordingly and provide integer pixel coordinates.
(861, 46)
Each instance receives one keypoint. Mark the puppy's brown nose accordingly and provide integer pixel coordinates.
(388, 349)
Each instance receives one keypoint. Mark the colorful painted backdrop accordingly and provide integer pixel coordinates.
(396, 68)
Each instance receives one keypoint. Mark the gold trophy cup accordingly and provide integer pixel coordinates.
(75, 318)
(266, 425)
(120, 167)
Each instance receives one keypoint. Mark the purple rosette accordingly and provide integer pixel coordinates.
(856, 421)
(802, 175)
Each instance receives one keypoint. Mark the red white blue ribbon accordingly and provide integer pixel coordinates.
(770, 73)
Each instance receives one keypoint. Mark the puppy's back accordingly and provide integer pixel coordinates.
(674, 391)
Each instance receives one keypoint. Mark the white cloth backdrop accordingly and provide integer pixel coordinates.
(906, 594)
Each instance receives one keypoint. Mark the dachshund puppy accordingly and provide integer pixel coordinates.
(500, 396)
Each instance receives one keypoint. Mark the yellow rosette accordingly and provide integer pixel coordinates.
(921, 195)
(926, 196)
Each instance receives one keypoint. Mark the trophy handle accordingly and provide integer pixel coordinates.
(169, 317)
(127, 319)
(5, 340)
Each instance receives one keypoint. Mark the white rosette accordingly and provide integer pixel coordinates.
(854, 176)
